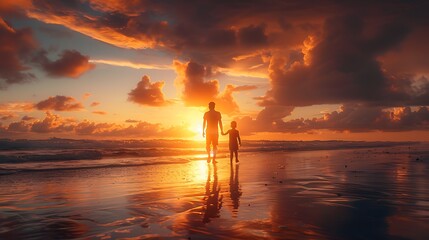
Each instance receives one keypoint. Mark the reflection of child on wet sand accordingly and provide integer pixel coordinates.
(234, 140)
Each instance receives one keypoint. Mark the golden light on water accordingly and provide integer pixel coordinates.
(199, 170)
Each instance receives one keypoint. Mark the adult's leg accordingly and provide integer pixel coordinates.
(208, 147)
(215, 140)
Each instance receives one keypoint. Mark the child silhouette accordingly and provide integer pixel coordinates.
(234, 140)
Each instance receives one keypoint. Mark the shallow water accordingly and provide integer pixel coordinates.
(377, 193)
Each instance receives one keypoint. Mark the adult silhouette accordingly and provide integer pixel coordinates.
(212, 119)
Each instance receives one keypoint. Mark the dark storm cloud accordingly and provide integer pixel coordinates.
(342, 68)
(16, 47)
(252, 36)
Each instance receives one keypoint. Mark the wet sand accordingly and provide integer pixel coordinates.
(377, 193)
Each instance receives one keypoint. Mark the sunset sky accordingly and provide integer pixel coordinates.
(284, 70)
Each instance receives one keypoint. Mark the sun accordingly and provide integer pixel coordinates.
(193, 121)
(197, 128)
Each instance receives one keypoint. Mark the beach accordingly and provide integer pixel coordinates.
(349, 193)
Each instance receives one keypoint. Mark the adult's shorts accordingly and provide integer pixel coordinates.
(212, 139)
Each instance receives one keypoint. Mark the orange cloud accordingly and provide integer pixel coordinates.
(94, 104)
(147, 93)
(28, 118)
(86, 95)
(131, 64)
(99, 112)
(7, 116)
(198, 91)
(87, 25)
(16, 107)
(70, 64)
(59, 103)
(52, 123)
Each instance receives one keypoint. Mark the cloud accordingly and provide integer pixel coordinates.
(7, 117)
(52, 123)
(17, 45)
(71, 64)
(244, 88)
(55, 124)
(132, 121)
(147, 93)
(131, 64)
(225, 101)
(94, 104)
(99, 112)
(267, 120)
(341, 67)
(350, 118)
(16, 107)
(86, 95)
(28, 118)
(196, 90)
(214, 34)
(19, 127)
(59, 103)
(252, 36)
(141, 129)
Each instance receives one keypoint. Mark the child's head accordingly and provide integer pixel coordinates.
(233, 124)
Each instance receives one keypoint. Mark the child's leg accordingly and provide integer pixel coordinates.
(230, 156)
(236, 155)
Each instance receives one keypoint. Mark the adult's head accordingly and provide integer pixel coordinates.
(212, 105)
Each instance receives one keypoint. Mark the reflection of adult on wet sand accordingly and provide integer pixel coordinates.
(213, 202)
(212, 119)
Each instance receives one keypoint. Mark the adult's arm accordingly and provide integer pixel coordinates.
(220, 123)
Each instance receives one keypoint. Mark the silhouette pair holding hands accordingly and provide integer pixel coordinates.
(213, 120)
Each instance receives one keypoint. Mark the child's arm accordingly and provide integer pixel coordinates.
(225, 133)
(238, 136)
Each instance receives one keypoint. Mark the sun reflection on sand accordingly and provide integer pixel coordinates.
(199, 171)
